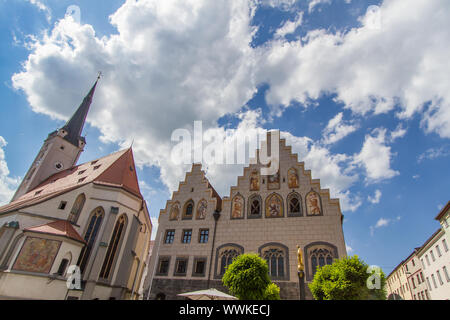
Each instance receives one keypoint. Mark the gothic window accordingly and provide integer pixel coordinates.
(276, 256)
(225, 256)
(188, 210)
(76, 208)
(90, 236)
(294, 204)
(114, 246)
(254, 206)
(319, 254)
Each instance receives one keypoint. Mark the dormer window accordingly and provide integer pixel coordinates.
(62, 205)
(81, 172)
(94, 162)
(81, 180)
(37, 192)
(96, 167)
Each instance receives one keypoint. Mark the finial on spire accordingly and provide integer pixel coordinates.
(100, 74)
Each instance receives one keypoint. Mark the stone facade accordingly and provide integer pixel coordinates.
(268, 215)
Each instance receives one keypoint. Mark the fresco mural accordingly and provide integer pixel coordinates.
(274, 206)
(273, 181)
(201, 209)
(237, 207)
(37, 255)
(313, 204)
(293, 178)
(175, 211)
(254, 181)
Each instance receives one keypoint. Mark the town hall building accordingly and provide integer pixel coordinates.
(87, 223)
(200, 233)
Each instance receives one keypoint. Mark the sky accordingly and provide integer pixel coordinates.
(359, 89)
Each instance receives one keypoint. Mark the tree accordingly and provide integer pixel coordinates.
(348, 278)
(247, 278)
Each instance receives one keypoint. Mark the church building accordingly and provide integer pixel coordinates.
(75, 231)
(200, 233)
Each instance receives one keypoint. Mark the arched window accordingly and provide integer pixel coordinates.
(226, 258)
(76, 208)
(294, 204)
(188, 210)
(90, 235)
(276, 256)
(114, 245)
(319, 254)
(254, 206)
(225, 255)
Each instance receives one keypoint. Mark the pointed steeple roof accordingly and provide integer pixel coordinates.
(74, 126)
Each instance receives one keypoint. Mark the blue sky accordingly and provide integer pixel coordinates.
(361, 95)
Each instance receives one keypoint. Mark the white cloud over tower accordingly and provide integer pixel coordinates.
(173, 62)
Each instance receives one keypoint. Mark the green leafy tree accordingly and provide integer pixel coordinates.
(348, 278)
(247, 278)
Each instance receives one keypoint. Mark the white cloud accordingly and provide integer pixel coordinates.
(399, 132)
(173, 62)
(284, 5)
(155, 225)
(375, 157)
(170, 63)
(289, 26)
(400, 66)
(8, 184)
(314, 3)
(349, 249)
(434, 153)
(383, 222)
(338, 129)
(42, 7)
(376, 198)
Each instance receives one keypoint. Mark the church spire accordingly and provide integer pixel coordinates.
(74, 126)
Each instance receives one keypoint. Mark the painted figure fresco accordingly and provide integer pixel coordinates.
(274, 206)
(237, 207)
(254, 181)
(201, 209)
(292, 178)
(37, 255)
(175, 211)
(273, 181)
(313, 204)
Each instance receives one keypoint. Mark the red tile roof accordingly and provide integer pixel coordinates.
(58, 228)
(116, 170)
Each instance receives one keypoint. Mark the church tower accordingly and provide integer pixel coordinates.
(61, 149)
